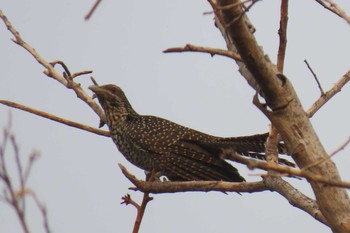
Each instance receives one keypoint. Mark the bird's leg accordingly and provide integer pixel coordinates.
(152, 176)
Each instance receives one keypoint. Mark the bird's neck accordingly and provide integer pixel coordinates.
(116, 116)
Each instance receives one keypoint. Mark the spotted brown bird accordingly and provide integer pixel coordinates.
(177, 152)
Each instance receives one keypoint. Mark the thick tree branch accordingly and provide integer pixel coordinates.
(295, 197)
(192, 186)
(288, 116)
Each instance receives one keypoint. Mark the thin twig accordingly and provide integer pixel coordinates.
(80, 73)
(50, 70)
(32, 158)
(127, 200)
(200, 49)
(92, 10)
(247, 8)
(284, 170)
(315, 76)
(140, 208)
(11, 196)
(141, 211)
(56, 118)
(229, 6)
(329, 94)
(333, 7)
(342, 147)
(42, 209)
(19, 169)
(67, 73)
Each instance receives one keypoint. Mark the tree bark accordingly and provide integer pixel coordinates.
(287, 114)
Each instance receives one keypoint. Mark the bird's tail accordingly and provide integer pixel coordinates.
(254, 147)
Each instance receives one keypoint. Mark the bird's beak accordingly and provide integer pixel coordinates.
(95, 89)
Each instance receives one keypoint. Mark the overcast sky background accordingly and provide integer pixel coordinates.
(77, 176)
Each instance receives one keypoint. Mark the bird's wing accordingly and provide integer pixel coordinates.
(193, 163)
(157, 134)
(176, 155)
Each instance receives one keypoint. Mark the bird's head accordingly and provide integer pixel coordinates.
(112, 99)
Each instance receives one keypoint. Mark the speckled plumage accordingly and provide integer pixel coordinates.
(178, 152)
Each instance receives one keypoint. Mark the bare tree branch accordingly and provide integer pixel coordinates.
(16, 196)
(191, 186)
(56, 118)
(329, 94)
(315, 76)
(286, 113)
(333, 7)
(342, 147)
(274, 137)
(140, 208)
(51, 72)
(282, 32)
(295, 197)
(200, 49)
(92, 10)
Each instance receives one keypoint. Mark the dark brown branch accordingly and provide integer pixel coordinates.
(92, 10)
(141, 211)
(67, 74)
(282, 32)
(56, 118)
(200, 49)
(140, 208)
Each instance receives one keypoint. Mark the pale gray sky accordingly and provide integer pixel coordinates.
(77, 176)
